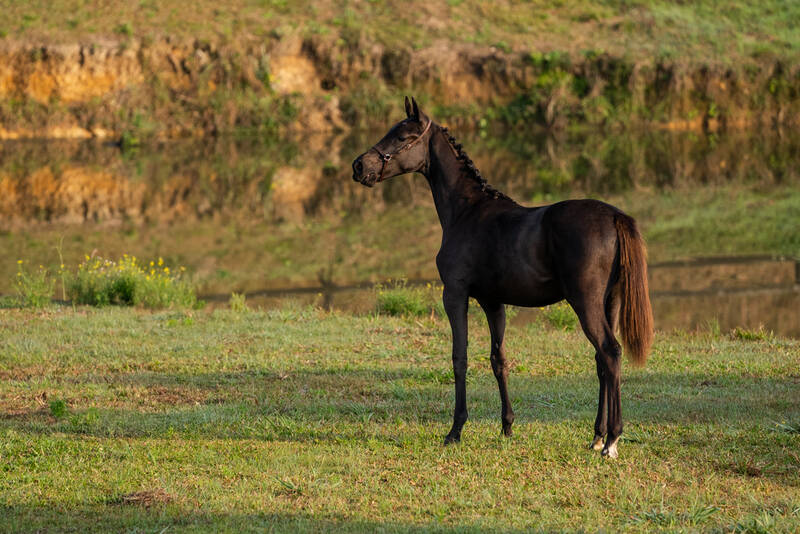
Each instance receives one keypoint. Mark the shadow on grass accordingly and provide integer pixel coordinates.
(115, 518)
(305, 405)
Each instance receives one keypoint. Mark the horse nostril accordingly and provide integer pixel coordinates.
(358, 166)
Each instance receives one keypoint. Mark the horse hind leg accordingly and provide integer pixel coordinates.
(613, 304)
(496, 317)
(600, 424)
(594, 316)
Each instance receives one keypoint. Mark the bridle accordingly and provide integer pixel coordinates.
(385, 158)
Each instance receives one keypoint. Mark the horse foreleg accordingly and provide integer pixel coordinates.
(455, 305)
(496, 317)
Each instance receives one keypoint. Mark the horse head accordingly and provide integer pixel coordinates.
(400, 151)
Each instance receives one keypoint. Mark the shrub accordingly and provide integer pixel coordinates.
(561, 316)
(100, 282)
(35, 288)
(399, 298)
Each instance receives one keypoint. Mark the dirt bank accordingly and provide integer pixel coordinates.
(135, 89)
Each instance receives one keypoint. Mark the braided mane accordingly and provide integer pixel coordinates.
(472, 170)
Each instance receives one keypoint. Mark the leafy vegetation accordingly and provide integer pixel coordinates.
(298, 419)
(100, 282)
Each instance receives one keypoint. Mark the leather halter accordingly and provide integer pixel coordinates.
(386, 157)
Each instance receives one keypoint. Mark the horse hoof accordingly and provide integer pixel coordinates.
(597, 443)
(610, 450)
(452, 439)
(507, 432)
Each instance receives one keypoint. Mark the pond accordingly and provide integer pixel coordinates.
(283, 219)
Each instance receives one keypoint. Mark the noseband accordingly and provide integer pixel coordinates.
(385, 158)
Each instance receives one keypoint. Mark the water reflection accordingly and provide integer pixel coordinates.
(247, 215)
(75, 182)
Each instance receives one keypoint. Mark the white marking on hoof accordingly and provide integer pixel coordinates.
(610, 449)
(597, 443)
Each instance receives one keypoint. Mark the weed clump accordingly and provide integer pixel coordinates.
(238, 303)
(744, 334)
(101, 282)
(401, 299)
(34, 288)
(58, 408)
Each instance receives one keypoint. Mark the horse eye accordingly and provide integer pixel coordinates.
(402, 137)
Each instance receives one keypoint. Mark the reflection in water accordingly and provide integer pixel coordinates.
(243, 214)
(87, 181)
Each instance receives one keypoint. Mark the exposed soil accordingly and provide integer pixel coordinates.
(133, 89)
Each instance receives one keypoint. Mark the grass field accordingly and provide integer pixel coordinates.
(303, 420)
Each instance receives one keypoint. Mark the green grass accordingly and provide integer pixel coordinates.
(302, 420)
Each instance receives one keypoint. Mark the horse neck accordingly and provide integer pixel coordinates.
(453, 191)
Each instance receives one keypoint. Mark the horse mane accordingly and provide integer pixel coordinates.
(472, 170)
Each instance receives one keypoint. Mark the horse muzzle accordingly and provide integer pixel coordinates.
(367, 179)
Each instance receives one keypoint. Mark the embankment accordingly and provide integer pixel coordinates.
(135, 89)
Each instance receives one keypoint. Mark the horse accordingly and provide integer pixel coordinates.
(500, 252)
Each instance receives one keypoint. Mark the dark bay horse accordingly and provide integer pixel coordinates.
(498, 252)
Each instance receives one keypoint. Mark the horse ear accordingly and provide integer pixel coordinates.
(415, 108)
(416, 112)
(409, 110)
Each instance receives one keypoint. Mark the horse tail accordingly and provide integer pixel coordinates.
(636, 314)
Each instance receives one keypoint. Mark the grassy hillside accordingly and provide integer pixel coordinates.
(160, 69)
(301, 420)
(702, 31)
